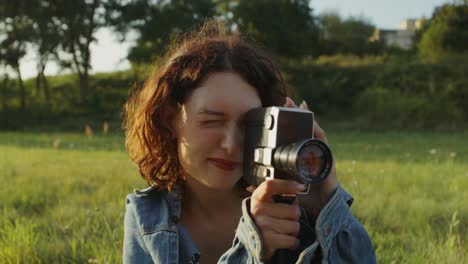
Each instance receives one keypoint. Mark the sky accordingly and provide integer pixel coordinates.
(108, 53)
(385, 14)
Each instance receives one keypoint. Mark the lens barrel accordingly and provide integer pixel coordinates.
(309, 160)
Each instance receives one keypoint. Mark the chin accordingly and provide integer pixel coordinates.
(224, 182)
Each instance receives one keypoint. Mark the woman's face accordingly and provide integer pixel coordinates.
(210, 128)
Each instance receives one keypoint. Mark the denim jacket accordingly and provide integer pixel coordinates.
(153, 234)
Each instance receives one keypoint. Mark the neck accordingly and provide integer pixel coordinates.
(210, 203)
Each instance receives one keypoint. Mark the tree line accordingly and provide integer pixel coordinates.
(62, 31)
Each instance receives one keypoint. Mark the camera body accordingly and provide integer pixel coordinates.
(278, 144)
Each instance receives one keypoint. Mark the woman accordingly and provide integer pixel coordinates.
(184, 130)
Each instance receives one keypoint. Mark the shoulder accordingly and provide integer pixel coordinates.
(150, 209)
(144, 198)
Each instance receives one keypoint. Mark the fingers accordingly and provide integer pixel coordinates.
(278, 233)
(278, 210)
(280, 241)
(304, 105)
(267, 189)
(290, 103)
(319, 133)
(278, 222)
(278, 226)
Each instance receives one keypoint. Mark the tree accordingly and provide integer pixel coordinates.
(79, 20)
(46, 39)
(447, 32)
(15, 33)
(286, 27)
(225, 12)
(349, 36)
(419, 31)
(3, 90)
(157, 22)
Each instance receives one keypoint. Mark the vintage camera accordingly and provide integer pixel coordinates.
(278, 144)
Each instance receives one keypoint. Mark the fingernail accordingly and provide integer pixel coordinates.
(251, 188)
(305, 103)
(301, 187)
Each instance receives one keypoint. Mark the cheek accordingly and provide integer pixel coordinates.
(184, 156)
(196, 145)
(196, 142)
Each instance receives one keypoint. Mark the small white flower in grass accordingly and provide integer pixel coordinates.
(93, 260)
(382, 171)
(353, 162)
(433, 151)
(56, 142)
(453, 154)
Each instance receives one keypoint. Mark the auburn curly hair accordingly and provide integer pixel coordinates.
(149, 111)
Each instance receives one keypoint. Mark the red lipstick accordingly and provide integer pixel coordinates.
(226, 165)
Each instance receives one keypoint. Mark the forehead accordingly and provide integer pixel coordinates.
(225, 92)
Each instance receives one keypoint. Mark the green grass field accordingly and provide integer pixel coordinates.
(63, 195)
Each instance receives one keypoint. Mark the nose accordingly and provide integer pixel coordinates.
(232, 140)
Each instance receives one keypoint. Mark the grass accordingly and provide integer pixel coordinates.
(63, 204)
(63, 195)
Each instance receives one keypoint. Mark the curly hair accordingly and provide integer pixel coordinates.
(148, 113)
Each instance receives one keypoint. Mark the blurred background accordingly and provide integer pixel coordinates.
(342, 63)
(388, 81)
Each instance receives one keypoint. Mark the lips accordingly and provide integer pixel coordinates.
(225, 165)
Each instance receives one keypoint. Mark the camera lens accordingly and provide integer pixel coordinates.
(310, 160)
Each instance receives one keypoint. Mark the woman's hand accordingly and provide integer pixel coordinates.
(319, 193)
(278, 222)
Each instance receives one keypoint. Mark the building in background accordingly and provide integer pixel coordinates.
(403, 37)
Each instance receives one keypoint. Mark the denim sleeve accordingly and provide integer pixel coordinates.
(352, 245)
(337, 237)
(247, 246)
(134, 249)
(340, 238)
